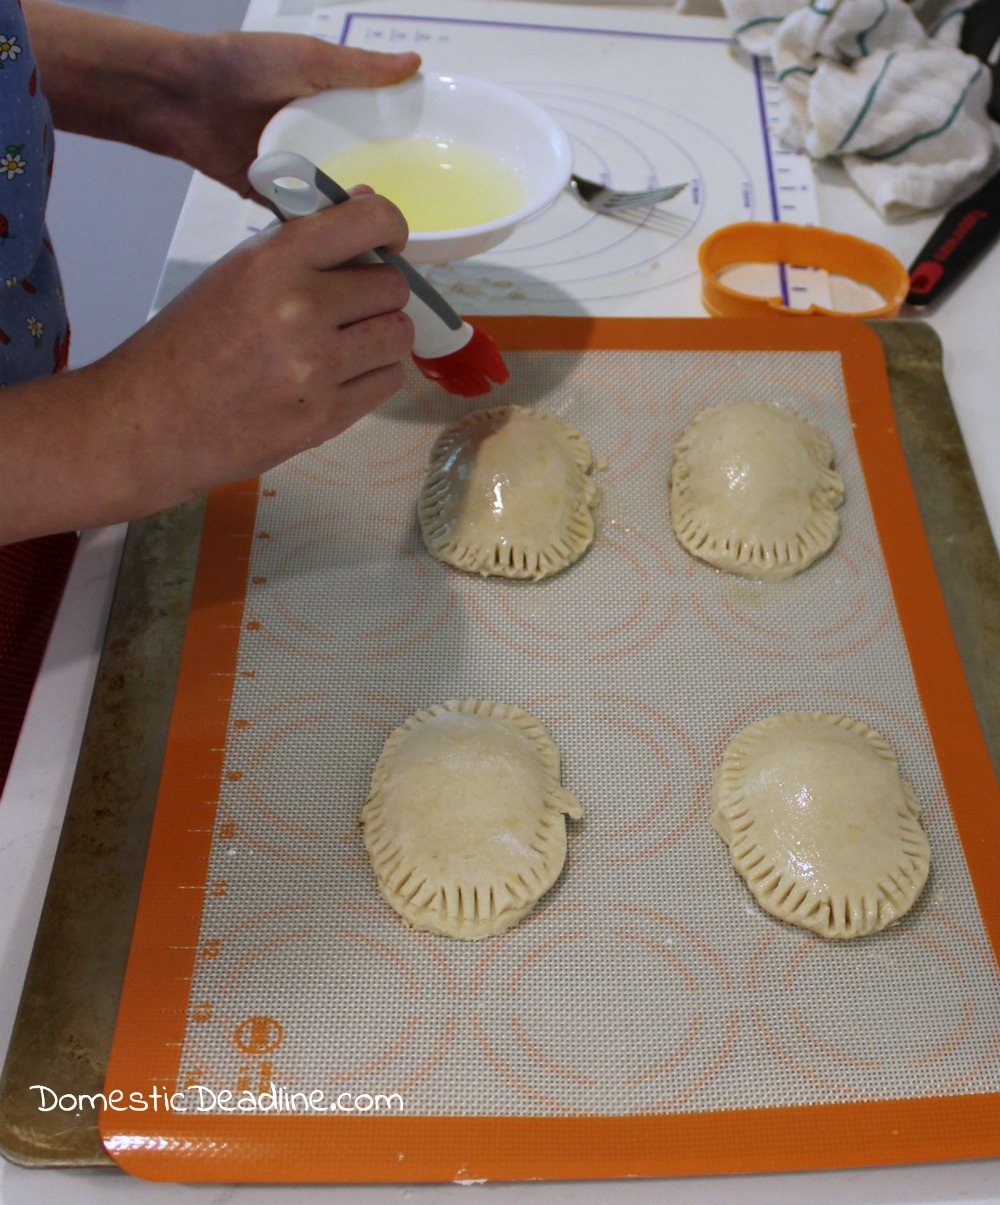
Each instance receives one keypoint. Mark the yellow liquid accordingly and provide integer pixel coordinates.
(438, 184)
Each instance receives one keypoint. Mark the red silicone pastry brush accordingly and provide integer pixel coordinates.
(461, 358)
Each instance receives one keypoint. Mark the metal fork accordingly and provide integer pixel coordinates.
(603, 199)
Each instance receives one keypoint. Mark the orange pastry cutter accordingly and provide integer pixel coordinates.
(801, 246)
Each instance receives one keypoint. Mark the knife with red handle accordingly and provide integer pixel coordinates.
(964, 233)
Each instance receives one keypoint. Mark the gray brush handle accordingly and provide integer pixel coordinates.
(292, 187)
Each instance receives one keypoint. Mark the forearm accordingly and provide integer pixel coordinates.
(111, 77)
(71, 456)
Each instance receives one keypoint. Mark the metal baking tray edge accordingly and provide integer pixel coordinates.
(65, 1023)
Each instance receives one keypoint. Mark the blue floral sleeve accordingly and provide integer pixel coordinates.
(34, 332)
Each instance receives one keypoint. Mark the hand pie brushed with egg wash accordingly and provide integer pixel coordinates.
(820, 824)
(752, 490)
(509, 493)
(465, 823)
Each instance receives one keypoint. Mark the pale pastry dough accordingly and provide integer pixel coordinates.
(465, 821)
(752, 490)
(820, 824)
(509, 493)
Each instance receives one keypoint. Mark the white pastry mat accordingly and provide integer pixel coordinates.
(647, 982)
(646, 97)
(644, 94)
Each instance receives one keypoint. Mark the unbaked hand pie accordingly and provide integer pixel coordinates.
(465, 821)
(820, 824)
(509, 493)
(752, 490)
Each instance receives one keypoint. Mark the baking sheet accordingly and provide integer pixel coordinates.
(647, 988)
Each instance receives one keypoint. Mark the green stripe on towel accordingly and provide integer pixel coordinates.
(795, 70)
(862, 45)
(755, 22)
(903, 146)
(945, 17)
(869, 99)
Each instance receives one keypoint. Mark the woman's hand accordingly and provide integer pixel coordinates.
(215, 391)
(200, 98)
(276, 348)
(245, 78)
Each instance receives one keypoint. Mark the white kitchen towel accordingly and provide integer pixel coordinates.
(870, 83)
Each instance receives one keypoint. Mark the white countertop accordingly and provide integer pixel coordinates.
(33, 803)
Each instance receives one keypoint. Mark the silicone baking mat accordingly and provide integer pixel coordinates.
(647, 1018)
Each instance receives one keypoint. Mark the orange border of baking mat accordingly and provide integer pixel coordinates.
(155, 996)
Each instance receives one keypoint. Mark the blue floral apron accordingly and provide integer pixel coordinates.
(34, 342)
(33, 328)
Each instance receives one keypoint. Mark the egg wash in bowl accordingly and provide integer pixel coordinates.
(438, 183)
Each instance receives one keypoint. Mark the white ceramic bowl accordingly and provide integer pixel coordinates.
(456, 108)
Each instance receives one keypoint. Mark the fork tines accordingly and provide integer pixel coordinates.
(601, 197)
(652, 196)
